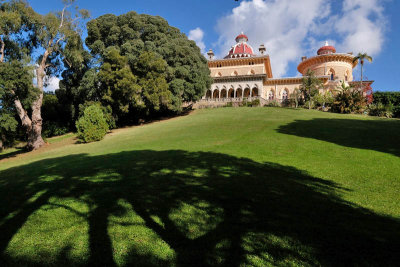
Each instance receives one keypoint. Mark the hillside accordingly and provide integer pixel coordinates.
(226, 186)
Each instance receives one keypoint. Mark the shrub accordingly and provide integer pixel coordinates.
(229, 104)
(107, 112)
(51, 128)
(380, 110)
(273, 103)
(255, 103)
(92, 126)
(349, 100)
(396, 111)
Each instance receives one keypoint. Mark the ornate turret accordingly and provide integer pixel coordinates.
(262, 49)
(210, 54)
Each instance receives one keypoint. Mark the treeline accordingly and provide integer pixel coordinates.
(134, 67)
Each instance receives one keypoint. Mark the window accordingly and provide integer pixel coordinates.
(271, 95)
(285, 94)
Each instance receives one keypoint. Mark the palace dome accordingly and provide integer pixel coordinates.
(326, 49)
(241, 49)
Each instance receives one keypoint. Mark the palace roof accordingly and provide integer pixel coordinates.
(241, 49)
(326, 49)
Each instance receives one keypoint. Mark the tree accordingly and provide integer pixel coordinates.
(296, 96)
(310, 86)
(168, 67)
(49, 34)
(8, 125)
(361, 57)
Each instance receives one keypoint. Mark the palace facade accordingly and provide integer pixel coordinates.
(245, 74)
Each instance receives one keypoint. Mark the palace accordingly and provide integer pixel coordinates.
(242, 74)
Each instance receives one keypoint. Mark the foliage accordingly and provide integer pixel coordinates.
(107, 112)
(166, 68)
(386, 98)
(380, 110)
(255, 103)
(8, 126)
(310, 87)
(273, 103)
(296, 98)
(56, 116)
(229, 105)
(324, 99)
(92, 126)
(349, 100)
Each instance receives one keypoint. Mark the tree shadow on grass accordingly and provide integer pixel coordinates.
(209, 208)
(379, 135)
(14, 153)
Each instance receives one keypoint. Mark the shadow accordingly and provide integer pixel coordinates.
(207, 208)
(19, 150)
(379, 135)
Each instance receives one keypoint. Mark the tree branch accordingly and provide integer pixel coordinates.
(3, 45)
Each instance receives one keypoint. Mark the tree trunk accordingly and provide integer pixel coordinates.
(2, 48)
(35, 139)
(1, 145)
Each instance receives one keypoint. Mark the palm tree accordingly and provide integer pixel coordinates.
(310, 86)
(361, 57)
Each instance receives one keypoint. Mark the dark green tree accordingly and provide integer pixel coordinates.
(169, 69)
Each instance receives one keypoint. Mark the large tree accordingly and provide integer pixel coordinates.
(168, 68)
(49, 34)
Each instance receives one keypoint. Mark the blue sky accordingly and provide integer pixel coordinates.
(289, 29)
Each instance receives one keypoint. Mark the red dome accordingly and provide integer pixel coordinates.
(326, 49)
(241, 49)
(242, 36)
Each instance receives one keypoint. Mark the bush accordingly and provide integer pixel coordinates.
(92, 126)
(255, 103)
(229, 104)
(273, 103)
(396, 111)
(380, 110)
(107, 112)
(349, 100)
(386, 98)
(51, 128)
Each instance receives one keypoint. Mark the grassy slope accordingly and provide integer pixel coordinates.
(226, 186)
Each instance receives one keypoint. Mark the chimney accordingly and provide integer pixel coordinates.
(303, 58)
(210, 54)
(262, 49)
(350, 53)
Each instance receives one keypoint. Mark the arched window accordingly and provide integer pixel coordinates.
(285, 94)
(271, 95)
(332, 74)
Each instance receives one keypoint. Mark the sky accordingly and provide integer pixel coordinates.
(289, 29)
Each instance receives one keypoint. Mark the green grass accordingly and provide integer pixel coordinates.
(231, 186)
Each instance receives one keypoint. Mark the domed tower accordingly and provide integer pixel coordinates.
(241, 49)
(338, 67)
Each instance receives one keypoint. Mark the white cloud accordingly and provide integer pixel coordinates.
(197, 36)
(290, 29)
(52, 84)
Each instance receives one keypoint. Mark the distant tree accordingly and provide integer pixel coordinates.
(361, 57)
(310, 86)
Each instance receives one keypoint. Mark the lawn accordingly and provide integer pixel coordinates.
(229, 186)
